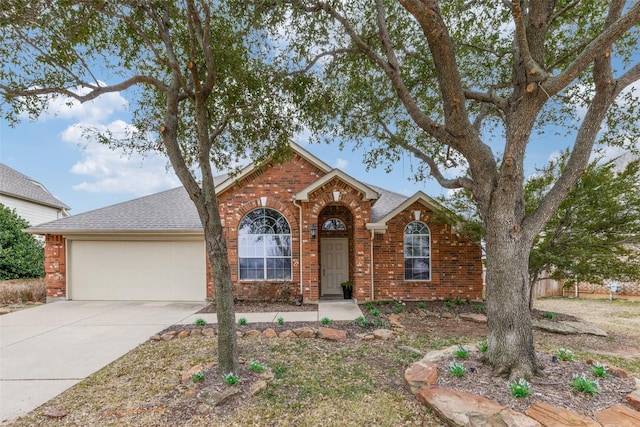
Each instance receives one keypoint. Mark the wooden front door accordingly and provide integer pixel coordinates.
(334, 253)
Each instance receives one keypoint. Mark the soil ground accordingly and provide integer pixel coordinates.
(353, 382)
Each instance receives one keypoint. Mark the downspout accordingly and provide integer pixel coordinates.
(300, 228)
(372, 265)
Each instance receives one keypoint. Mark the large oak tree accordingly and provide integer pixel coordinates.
(468, 87)
(198, 75)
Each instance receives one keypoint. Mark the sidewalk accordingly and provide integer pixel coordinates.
(333, 310)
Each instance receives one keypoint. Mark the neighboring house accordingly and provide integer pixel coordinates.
(300, 227)
(29, 198)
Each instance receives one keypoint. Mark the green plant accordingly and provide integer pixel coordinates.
(325, 320)
(398, 307)
(242, 321)
(599, 370)
(548, 315)
(448, 304)
(256, 366)
(461, 353)
(422, 304)
(478, 308)
(483, 346)
(230, 379)
(460, 301)
(565, 354)
(374, 312)
(363, 322)
(198, 376)
(200, 321)
(279, 370)
(457, 369)
(346, 284)
(520, 388)
(368, 305)
(582, 384)
(281, 320)
(21, 254)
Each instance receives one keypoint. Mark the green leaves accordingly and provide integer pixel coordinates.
(21, 255)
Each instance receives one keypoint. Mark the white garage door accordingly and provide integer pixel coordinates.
(136, 270)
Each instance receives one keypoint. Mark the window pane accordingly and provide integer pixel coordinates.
(251, 268)
(417, 269)
(333, 224)
(279, 268)
(278, 245)
(251, 246)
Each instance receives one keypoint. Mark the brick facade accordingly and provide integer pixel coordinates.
(456, 267)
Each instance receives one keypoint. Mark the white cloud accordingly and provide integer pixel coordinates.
(341, 163)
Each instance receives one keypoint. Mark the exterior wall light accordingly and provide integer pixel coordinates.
(313, 229)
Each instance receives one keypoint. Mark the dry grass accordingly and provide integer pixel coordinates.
(21, 291)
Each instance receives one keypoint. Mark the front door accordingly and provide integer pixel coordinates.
(334, 253)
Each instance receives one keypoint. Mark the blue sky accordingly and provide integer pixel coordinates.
(86, 175)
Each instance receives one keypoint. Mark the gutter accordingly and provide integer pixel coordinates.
(375, 228)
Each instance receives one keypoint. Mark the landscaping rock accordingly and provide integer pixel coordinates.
(445, 353)
(188, 374)
(155, 337)
(421, 374)
(252, 333)
(473, 317)
(258, 387)
(332, 334)
(568, 328)
(208, 332)
(288, 334)
(383, 334)
(185, 333)
(633, 399)
(54, 413)
(305, 332)
(211, 397)
(618, 415)
(168, 336)
(549, 415)
(269, 333)
(447, 315)
(196, 332)
(465, 409)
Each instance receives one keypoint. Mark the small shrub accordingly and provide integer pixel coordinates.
(460, 301)
(256, 366)
(448, 304)
(200, 321)
(582, 384)
(520, 388)
(483, 346)
(478, 307)
(398, 307)
(422, 304)
(242, 321)
(599, 370)
(280, 320)
(325, 320)
(368, 305)
(457, 369)
(461, 353)
(279, 370)
(374, 312)
(230, 379)
(198, 377)
(548, 315)
(565, 354)
(363, 322)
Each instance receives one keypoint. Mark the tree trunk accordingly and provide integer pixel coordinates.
(510, 350)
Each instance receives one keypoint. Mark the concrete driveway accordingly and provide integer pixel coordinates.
(46, 349)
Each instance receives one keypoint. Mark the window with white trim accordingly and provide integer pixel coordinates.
(417, 252)
(264, 246)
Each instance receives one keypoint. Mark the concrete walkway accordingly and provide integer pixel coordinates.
(46, 349)
(333, 310)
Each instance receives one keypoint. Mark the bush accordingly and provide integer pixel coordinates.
(22, 291)
(21, 255)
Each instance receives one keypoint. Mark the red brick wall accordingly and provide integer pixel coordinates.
(55, 267)
(456, 267)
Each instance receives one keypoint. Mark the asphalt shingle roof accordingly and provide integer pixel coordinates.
(16, 184)
(387, 202)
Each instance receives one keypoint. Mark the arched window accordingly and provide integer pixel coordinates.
(334, 224)
(264, 246)
(417, 252)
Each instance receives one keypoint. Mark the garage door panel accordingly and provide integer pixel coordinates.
(137, 270)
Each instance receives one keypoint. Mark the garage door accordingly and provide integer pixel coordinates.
(136, 270)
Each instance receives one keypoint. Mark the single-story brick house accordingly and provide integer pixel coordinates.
(301, 227)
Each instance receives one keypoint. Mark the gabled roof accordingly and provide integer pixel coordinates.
(20, 186)
(367, 192)
(247, 170)
(408, 201)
